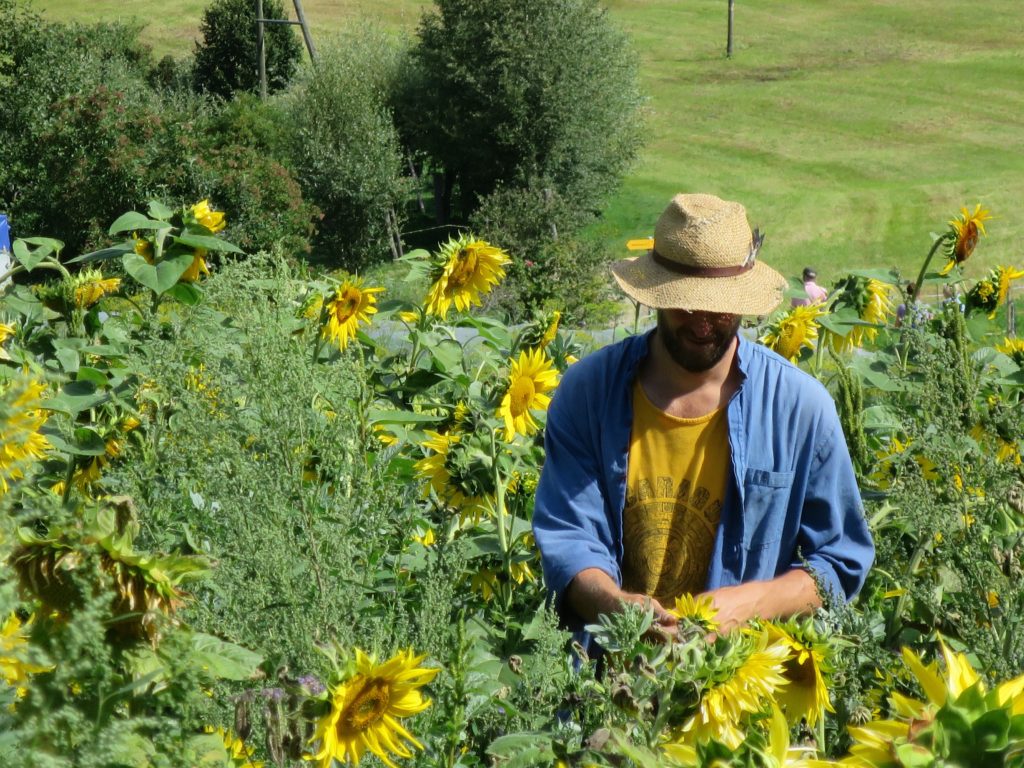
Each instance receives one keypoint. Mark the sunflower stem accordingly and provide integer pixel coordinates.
(924, 269)
(501, 514)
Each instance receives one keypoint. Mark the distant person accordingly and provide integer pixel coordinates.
(951, 299)
(815, 293)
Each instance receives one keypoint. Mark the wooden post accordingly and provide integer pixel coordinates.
(261, 50)
(305, 30)
(728, 43)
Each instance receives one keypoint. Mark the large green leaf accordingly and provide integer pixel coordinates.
(187, 293)
(193, 240)
(160, 277)
(132, 221)
(158, 210)
(223, 659)
(75, 397)
(30, 258)
(104, 254)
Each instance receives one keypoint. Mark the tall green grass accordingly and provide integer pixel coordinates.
(849, 130)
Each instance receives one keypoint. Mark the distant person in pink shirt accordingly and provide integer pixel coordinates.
(815, 293)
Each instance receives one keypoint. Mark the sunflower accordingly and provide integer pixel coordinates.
(886, 469)
(21, 418)
(806, 696)
(434, 467)
(365, 709)
(779, 747)
(14, 670)
(793, 331)
(239, 755)
(870, 299)
(958, 687)
(530, 378)
(724, 706)
(91, 286)
(144, 248)
(698, 610)
(353, 303)
(552, 331)
(464, 270)
(964, 232)
(1012, 348)
(212, 220)
(197, 267)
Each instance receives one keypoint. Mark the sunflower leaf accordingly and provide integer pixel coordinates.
(223, 659)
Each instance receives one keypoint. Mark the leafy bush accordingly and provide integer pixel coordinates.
(88, 138)
(522, 92)
(226, 57)
(346, 151)
(550, 269)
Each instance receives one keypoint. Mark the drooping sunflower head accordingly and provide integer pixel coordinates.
(365, 708)
(990, 293)
(872, 302)
(806, 695)
(15, 668)
(352, 303)
(964, 232)
(793, 331)
(747, 683)
(455, 472)
(213, 221)
(6, 332)
(240, 754)
(21, 419)
(89, 286)
(464, 270)
(1013, 348)
(530, 378)
(696, 610)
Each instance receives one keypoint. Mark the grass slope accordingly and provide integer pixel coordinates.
(850, 130)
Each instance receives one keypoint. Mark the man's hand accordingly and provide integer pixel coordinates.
(791, 594)
(593, 592)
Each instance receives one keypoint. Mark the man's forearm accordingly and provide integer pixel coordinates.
(593, 592)
(793, 593)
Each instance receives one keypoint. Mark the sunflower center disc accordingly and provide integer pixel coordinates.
(369, 706)
(522, 395)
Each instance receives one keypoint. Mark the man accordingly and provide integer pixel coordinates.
(690, 460)
(815, 293)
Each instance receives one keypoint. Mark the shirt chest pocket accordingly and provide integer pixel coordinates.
(765, 505)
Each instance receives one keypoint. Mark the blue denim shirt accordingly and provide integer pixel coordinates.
(791, 499)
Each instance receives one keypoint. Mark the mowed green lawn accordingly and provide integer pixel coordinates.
(851, 130)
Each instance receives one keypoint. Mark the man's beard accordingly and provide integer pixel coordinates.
(700, 358)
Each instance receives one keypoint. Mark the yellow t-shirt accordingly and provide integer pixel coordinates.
(675, 484)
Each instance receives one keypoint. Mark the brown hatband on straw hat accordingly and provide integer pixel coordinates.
(704, 259)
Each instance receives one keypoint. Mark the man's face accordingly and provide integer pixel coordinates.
(696, 340)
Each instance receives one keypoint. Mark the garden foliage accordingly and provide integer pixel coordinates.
(532, 93)
(257, 515)
(345, 149)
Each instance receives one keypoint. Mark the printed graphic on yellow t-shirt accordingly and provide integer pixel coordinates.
(675, 484)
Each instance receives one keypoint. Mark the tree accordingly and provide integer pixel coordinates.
(345, 150)
(225, 59)
(513, 91)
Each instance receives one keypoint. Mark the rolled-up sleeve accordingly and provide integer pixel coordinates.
(570, 518)
(834, 539)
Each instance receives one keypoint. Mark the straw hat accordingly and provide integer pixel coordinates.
(704, 258)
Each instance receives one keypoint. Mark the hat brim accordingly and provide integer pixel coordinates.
(755, 292)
